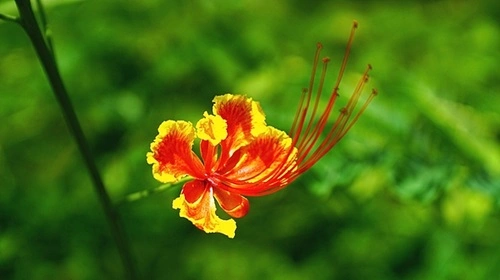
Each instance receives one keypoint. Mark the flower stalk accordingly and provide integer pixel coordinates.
(132, 197)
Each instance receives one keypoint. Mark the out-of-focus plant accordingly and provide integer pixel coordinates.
(39, 35)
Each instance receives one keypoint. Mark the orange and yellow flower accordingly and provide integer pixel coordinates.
(241, 156)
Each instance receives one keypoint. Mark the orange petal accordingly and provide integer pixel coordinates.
(171, 154)
(265, 164)
(197, 204)
(244, 118)
(234, 204)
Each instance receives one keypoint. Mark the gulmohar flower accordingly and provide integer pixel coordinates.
(240, 155)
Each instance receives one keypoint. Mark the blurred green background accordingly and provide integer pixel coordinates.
(412, 192)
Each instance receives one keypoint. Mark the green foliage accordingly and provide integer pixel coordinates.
(412, 192)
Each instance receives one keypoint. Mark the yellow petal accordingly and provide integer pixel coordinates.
(258, 119)
(212, 128)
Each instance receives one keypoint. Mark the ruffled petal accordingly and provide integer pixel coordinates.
(171, 154)
(244, 117)
(197, 204)
(264, 165)
(234, 204)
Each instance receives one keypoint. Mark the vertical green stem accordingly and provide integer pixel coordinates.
(30, 25)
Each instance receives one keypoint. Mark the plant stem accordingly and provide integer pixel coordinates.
(145, 193)
(30, 25)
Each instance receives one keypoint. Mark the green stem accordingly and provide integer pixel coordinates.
(30, 25)
(145, 193)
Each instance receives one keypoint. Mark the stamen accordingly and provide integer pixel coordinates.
(342, 124)
(307, 129)
(346, 55)
(302, 112)
(306, 135)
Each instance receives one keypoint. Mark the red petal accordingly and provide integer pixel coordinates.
(171, 154)
(234, 204)
(266, 164)
(208, 154)
(194, 191)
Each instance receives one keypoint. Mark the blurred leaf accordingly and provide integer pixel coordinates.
(473, 132)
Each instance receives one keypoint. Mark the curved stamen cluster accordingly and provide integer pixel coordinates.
(308, 127)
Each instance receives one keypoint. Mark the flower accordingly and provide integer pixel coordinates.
(242, 156)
